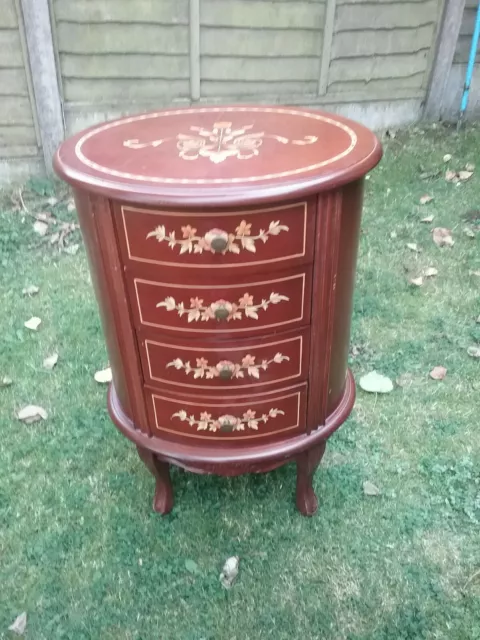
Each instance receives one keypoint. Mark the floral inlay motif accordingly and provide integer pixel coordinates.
(190, 241)
(247, 365)
(219, 143)
(233, 311)
(227, 422)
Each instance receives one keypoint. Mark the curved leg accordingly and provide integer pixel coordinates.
(163, 499)
(307, 463)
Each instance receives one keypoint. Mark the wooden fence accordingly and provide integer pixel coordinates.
(66, 64)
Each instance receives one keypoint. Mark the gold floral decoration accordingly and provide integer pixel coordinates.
(227, 422)
(247, 365)
(198, 244)
(199, 311)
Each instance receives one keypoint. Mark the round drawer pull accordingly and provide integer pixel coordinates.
(221, 313)
(217, 239)
(225, 373)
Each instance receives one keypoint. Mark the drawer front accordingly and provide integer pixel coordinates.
(241, 417)
(228, 366)
(221, 309)
(218, 240)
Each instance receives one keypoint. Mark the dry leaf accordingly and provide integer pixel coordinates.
(54, 237)
(469, 233)
(438, 373)
(393, 234)
(465, 175)
(45, 216)
(426, 199)
(32, 413)
(474, 352)
(474, 273)
(31, 290)
(229, 572)
(104, 376)
(51, 361)
(19, 625)
(413, 246)
(70, 206)
(478, 320)
(442, 237)
(40, 227)
(33, 323)
(430, 271)
(447, 157)
(416, 281)
(470, 167)
(72, 249)
(52, 201)
(427, 219)
(451, 176)
(369, 489)
(5, 381)
(374, 382)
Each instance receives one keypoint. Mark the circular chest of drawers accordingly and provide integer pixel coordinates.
(222, 243)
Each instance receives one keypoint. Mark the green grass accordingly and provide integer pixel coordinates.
(83, 554)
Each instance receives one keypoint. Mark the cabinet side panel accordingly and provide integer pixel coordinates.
(98, 232)
(351, 212)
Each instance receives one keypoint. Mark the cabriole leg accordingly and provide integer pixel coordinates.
(163, 499)
(307, 463)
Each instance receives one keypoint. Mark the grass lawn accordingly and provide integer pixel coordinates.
(84, 555)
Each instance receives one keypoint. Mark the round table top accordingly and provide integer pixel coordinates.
(222, 155)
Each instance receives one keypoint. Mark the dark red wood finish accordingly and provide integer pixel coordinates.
(222, 243)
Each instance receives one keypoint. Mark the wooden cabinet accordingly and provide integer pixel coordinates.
(222, 243)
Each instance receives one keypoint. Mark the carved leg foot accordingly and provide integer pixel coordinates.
(163, 499)
(307, 463)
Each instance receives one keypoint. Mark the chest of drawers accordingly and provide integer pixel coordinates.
(222, 245)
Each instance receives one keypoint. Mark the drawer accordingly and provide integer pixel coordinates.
(245, 307)
(226, 366)
(218, 240)
(235, 417)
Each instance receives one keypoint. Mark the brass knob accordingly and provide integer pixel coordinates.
(225, 373)
(222, 313)
(217, 239)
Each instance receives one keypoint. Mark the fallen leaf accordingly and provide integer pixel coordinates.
(469, 233)
(52, 201)
(45, 216)
(470, 167)
(447, 157)
(465, 175)
(474, 352)
(191, 566)
(427, 175)
(229, 572)
(104, 376)
(442, 237)
(369, 489)
(32, 413)
(390, 133)
(427, 219)
(19, 625)
(51, 361)
(54, 237)
(413, 246)
(71, 206)
(416, 281)
(478, 320)
(374, 382)
(393, 234)
(72, 249)
(451, 176)
(5, 381)
(430, 271)
(33, 323)
(438, 373)
(426, 199)
(31, 290)
(40, 227)
(474, 273)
